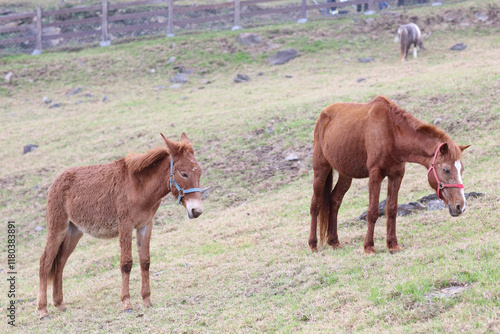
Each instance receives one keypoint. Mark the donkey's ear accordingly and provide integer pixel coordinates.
(185, 139)
(171, 146)
(463, 147)
(443, 149)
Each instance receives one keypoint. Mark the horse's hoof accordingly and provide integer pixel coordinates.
(45, 317)
(129, 310)
(314, 249)
(395, 250)
(336, 245)
(370, 250)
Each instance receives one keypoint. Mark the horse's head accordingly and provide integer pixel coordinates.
(445, 176)
(185, 173)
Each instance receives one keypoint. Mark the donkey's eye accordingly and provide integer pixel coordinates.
(184, 175)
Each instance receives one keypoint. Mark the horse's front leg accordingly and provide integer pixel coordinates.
(392, 211)
(374, 185)
(125, 235)
(143, 238)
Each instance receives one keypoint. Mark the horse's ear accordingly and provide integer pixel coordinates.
(443, 149)
(171, 146)
(463, 147)
(185, 139)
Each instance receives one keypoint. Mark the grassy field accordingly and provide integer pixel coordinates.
(244, 266)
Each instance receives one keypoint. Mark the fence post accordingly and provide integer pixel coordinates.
(237, 12)
(303, 18)
(38, 47)
(104, 24)
(170, 28)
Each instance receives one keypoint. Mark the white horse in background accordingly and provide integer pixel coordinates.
(409, 34)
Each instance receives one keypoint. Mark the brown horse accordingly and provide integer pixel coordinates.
(108, 201)
(375, 140)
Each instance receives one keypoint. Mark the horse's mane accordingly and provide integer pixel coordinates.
(401, 116)
(136, 162)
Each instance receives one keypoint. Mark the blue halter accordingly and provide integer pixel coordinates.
(181, 191)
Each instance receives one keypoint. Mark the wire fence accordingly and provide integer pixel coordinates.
(106, 22)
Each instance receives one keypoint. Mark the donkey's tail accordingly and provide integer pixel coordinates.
(403, 40)
(324, 208)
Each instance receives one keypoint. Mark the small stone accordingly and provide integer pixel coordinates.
(436, 204)
(46, 100)
(292, 157)
(8, 77)
(105, 99)
(360, 80)
(74, 91)
(366, 59)
(39, 228)
(241, 77)
(482, 16)
(282, 56)
(153, 70)
(159, 87)
(288, 76)
(458, 47)
(29, 148)
(175, 86)
(55, 105)
(179, 78)
(437, 120)
(249, 39)
(171, 60)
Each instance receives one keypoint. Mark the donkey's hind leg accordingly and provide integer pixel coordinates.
(69, 243)
(57, 225)
(342, 186)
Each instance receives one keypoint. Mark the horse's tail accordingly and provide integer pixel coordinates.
(403, 40)
(324, 208)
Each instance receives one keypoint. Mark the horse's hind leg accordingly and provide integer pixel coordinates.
(415, 50)
(57, 224)
(342, 186)
(321, 187)
(374, 185)
(125, 235)
(69, 243)
(392, 211)
(143, 238)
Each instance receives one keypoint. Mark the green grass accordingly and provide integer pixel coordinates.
(244, 265)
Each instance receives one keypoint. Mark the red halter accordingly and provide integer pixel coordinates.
(441, 185)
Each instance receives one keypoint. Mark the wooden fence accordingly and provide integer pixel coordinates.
(32, 32)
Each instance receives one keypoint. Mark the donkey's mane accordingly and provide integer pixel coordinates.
(401, 116)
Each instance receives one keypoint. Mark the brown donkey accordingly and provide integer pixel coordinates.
(108, 201)
(376, 140)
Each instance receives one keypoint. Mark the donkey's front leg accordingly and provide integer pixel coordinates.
(143, 238)
(125, 235)
(374, 185)
(392, 211)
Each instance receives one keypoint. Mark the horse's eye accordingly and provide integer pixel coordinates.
(446, 170)
(184, 175)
